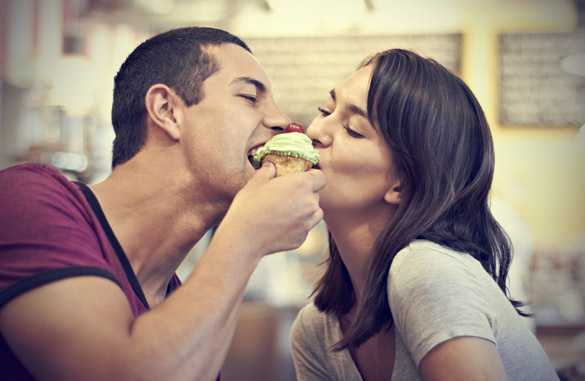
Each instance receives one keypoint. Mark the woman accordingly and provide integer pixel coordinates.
(415, 283)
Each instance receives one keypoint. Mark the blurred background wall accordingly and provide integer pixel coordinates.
(523, 59)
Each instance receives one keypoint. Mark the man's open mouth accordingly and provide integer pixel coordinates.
(252, 153)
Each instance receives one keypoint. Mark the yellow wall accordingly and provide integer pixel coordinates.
(539, 170)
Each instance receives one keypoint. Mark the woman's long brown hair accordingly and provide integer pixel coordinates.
(443, 150)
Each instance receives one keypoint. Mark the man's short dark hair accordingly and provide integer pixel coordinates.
(176, 58)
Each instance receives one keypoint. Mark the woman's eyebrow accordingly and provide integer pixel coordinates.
(350, 106)
(356, 110)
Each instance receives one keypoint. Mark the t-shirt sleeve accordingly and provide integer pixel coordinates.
(46, 232)
(434, 296)
(305, 342)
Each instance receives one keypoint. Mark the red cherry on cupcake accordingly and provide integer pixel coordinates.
(295, 127)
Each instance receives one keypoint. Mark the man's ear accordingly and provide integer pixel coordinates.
(162, 105)
(393, 195)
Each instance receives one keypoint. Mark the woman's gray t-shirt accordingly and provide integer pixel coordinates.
(435, 294)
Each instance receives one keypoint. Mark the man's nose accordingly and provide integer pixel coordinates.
(275, 119)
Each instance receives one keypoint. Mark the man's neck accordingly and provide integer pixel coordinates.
(156, 219)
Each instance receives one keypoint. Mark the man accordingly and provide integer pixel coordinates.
(87, 284)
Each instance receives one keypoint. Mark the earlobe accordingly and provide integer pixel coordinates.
(162, 107)
(393, 195)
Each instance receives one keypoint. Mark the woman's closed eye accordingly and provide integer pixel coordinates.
(323, 111)
(347, 128)
(352, 133)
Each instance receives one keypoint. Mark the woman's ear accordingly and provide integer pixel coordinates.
(393, 195)
(162, 106)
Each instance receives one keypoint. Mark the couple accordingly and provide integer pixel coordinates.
(415, 282)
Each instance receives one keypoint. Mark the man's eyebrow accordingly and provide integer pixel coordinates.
(351, 107)
(259, 85)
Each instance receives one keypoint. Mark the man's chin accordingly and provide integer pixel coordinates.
(250, 171)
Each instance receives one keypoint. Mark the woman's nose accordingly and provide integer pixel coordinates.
(317, 133)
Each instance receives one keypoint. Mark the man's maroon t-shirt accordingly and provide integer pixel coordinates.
(52, 229)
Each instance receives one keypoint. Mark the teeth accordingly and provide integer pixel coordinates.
(251, 154)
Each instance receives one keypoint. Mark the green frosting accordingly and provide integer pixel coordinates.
(288, 144)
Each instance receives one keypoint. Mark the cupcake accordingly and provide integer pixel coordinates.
(289, 152)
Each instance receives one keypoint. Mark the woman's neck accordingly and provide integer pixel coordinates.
(355, 239)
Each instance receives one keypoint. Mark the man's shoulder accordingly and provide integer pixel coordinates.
(38, 188)
(29, 168)
(30, 174)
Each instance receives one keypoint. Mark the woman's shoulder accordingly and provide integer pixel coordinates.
(310, 318)
(312, 334)
(430, 254)
(427, 263)
(426, 246)
(316, 326)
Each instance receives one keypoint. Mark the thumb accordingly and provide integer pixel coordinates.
(266, 172)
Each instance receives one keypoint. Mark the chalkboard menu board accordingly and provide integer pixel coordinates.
(534, 90)
(304, 69)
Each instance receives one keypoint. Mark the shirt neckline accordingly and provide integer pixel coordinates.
(128, 270)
